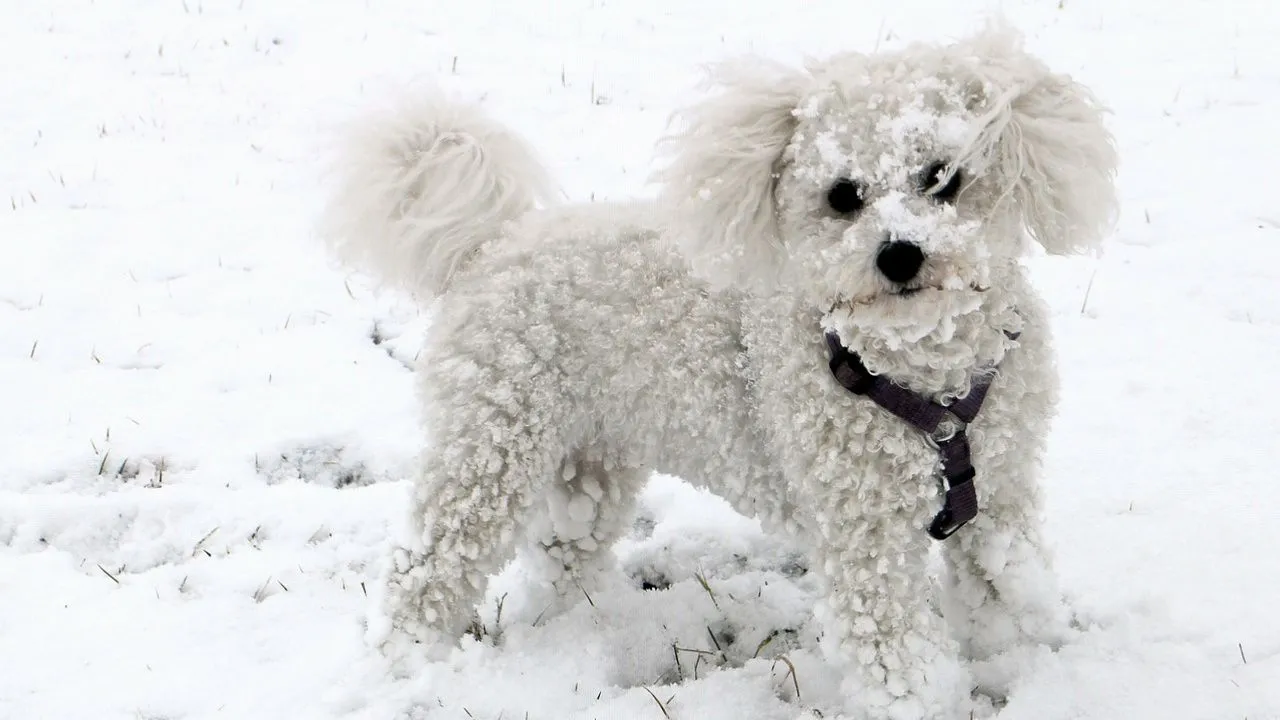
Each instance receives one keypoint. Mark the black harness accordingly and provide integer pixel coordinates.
(961, 502)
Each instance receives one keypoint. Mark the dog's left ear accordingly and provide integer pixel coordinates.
(1043, 135)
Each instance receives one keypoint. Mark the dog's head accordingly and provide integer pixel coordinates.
(894, 186)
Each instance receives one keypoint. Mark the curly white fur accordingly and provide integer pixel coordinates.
(423, 186)
(723, 167)
(577, 351)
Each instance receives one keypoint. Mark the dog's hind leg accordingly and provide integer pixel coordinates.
(589, 506)
(464, 532)
(490, 457)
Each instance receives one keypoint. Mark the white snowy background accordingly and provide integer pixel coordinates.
(207, 429)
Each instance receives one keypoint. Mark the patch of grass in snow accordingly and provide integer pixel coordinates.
(323, 465)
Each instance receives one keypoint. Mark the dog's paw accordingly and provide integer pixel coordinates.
(405, 654)
(884, 706)
(1052, 625)
(929, 690)
(997, 628)
(987, 701)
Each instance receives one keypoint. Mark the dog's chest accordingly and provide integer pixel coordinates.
(842, 453)
(838, 452)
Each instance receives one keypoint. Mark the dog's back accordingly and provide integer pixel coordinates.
(587, 313)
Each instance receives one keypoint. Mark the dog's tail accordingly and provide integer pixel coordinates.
(421, 188)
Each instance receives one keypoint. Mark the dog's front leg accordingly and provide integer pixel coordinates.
(1004, 593)
(880, 624)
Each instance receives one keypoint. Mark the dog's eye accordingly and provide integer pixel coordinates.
(945, 193)
(845, 196)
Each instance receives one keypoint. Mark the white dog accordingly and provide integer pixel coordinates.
(805, 324)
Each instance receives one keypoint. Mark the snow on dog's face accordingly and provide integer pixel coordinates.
(891, 188)
(878, 215)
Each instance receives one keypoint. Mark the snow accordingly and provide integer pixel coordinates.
(210, 428)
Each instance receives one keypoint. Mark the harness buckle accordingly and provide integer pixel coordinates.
(958, 508)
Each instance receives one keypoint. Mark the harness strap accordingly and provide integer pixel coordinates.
(960, 504)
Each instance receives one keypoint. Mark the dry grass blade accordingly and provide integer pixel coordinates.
(716, 642)
(791, 669)
(698, 656)
(204, 539)
(661, 707)
(261, 593)
(764, 644)
(693, 650)
(1088, 289)
(879, 35)
(537, 622)
(1242, 657)
(702, 580)
(497, 620)
(254, 541)
(590, 602)
(113, 577)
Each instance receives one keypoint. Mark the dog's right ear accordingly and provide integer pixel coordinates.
(723, 163)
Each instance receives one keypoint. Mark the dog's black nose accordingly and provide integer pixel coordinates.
(899, 261)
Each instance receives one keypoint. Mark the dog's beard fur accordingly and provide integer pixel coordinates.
(933, 340)
(905, 320)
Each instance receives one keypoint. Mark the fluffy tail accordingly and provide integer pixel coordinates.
(422, 187)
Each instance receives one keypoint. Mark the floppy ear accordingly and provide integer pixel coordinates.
(1043, 135)
(718, 184)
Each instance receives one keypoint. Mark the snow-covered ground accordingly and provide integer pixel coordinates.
(208, 429)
